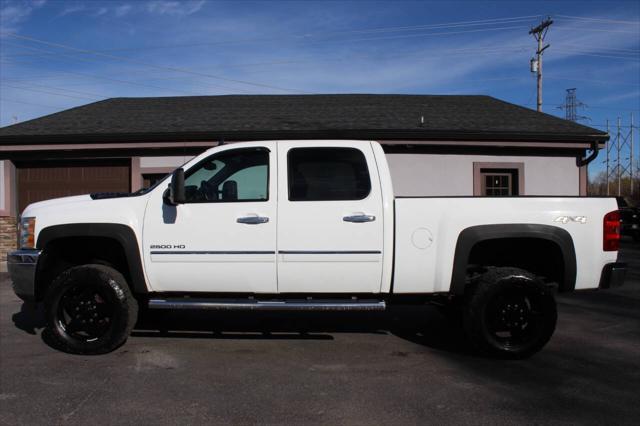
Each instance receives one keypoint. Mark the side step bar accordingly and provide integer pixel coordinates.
(268, 305)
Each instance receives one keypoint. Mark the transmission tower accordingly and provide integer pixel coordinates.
(571, 105)
(620, 157)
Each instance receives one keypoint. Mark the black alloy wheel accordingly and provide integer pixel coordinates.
(514, 317)
(89, 309)
(510, 313)
(85, 312)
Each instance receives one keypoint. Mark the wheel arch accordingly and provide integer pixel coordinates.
(121, 235)
(472, 236)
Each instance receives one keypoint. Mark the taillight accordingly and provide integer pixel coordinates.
(611, 231)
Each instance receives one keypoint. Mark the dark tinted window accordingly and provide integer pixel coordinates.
(324, 174)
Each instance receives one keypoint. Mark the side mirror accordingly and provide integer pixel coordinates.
(176, 193)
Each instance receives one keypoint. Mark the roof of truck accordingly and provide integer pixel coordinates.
(339, 116)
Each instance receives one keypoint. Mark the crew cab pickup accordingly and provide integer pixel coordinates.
(309, 225)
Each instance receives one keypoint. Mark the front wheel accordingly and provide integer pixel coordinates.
(510, 313)
(89, 309)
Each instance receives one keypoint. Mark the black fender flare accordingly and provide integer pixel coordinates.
(123, 234)
(469, 237)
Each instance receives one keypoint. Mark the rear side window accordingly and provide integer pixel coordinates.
(327, 174)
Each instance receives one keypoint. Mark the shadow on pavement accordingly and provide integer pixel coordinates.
(423, 325)
(30, 319)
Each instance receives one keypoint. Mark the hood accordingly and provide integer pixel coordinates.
(55, 202)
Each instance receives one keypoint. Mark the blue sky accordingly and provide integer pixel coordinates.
(59, 54)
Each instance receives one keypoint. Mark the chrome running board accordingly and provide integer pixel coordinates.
(268, 305)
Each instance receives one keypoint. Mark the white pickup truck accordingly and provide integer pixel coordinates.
(308, 225)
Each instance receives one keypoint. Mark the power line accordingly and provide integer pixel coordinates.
(613, 109)
(564, 27)
(611, 21)
(97, 77)
(29, 103)
(445, 25)
(394, 37)
(628, 58)
(49, 93)
(593, 81)
(513, 27)
(420, 54)
(604, 48)
(417, 56)
(605, 126)
(57, 56)
(133, 61)
(457, 24)
(4, 80)
(608, 108)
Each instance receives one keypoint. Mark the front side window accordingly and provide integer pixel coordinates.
(327, 174)
(234, 175)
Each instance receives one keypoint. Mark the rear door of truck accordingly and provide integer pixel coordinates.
(330, 221)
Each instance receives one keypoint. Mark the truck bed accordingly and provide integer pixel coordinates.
(428, 230)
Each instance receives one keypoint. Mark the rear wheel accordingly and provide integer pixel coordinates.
(90, 310)
(510, 313)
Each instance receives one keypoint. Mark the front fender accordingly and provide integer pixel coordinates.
(123, 234)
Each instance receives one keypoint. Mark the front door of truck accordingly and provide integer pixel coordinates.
(330, 223)
(223, 238)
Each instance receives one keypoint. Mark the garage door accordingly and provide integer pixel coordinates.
(45, 180)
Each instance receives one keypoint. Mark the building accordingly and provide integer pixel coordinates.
(436, 145)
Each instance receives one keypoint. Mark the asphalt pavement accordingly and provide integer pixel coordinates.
(406, 366)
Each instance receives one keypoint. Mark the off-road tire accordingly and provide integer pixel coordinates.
(88, 291)
(510, 298)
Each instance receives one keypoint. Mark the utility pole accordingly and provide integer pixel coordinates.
(539, 33)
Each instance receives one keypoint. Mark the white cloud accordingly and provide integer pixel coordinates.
(118, 11)
(15, 12)
(123, 10)
(74, 8)
(174, 7)
(634, 94)
(101, 11)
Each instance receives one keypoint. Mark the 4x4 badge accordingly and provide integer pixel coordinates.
(567, 219)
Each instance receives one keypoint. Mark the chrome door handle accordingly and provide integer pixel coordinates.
(253, 220)
(359, 218)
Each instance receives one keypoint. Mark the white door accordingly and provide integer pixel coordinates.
(330, 224)
(223, 239)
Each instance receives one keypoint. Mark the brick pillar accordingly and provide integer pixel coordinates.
(8, 239)
(8, 230)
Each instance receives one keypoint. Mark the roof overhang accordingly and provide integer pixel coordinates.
(151, 148)
(421, 135)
